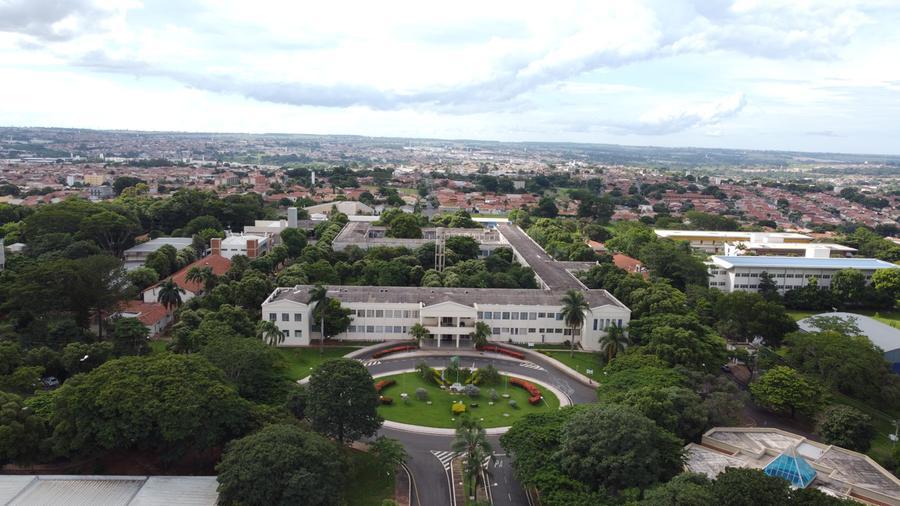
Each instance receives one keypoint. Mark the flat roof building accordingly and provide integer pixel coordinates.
(732, 273)
(831, 469)
(88, 490)
(136, 255)
(713, 242)
(880, 334)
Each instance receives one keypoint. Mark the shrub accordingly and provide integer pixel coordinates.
(425, 371)
(493, 395)
(421, 394)
(847, 427)
(513, 404)
(489, 375)
(385, 399)
(458, 408)
(472, 391)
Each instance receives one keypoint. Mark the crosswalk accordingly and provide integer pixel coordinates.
(532, 365)
(370, 363)
(444, 458)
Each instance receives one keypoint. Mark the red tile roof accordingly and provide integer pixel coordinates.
(219, 264)
(626, 263)
(149, 313)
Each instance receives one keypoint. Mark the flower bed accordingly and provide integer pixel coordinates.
(504, 351)
(395, 349)
(533, 390)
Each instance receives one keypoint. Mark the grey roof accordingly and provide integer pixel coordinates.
(159, 242)
(778, 262)
(882, 335)
(108, 490)
(553, 273)
(430, 296)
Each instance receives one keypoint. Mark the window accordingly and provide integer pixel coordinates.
(567, 332)
(532, 316)
(379, 313)
(531, 331)
(285, 317)
(596, 321)
(523, 316)
(398, 329)
(361, 313)
(370, 313)
(480, 315)
(515, 316)
(370, 329)
(298, 317)
(506, 315)
(273, 317)
(351, 328)
(558, 331)
(495, 331)
(415, 314)
(379, 329)
(542, 315)
(620, 322)
(406, 313)
(559, 316)
(298, 333)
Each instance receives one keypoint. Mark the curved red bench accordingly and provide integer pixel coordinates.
(533, 390)
(504, 351)
(395, 349)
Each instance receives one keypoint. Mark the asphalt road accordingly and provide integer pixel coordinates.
(426, 451)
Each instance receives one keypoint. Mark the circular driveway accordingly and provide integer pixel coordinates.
(429, 453)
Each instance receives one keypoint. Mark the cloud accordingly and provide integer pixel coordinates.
(679, 117)
(823, 133)
(54, 20)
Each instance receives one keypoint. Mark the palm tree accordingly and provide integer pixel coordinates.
(318, 298)
(204, 275)
(573, 310)
(269, 332)
(471, 441)
(418, 332)
(480, 334)
(614, 342)
(169, 294)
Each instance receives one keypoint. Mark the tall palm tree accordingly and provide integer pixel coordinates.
(203, 275)
(318, 298)
(471, 441)
(480, 334)
(614, 342)
(269, 332)
(573, 311)
(418, 332)
(169, 294)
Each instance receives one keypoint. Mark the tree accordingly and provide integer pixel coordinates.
(480, 334)
(846, 427)
(674, 408)
(887, 281)
(142, 277)
(295, 240)
(248, 364)
(546, 208)
(418, 332)
(269, 332)
(123, 182)
(470, 440)
(112, 231)
(696, 348)
(342, 401)
(82, 357)
(745, 315)
(615, 447)
(203, 276)
(318, 298)
(389, 453)
(165, 402)
(21, 431)
(405, 226)
(281, 465)
(767, 286)
(848, 285)
(686, 489)
(129, 336)
(170, 294)
(573, 312)
(782, 389)
(614, 341)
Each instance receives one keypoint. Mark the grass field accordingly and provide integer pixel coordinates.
(299, 362)
(581, 362)
(438, 414)
(368, 483)
(158, 346)
(891, 318)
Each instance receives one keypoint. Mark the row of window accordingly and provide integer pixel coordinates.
(378, 329)
(297, 333)
(523, 331)
(285, 317)
(605, 323)
(515, 315)
(385, 313)
(784, 275)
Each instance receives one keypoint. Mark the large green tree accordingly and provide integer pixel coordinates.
(21, 431)
(783, 389)
(166, 402)
(574, 309)
(281, 465)
(847, 427)
(342, 401)
(248, 364)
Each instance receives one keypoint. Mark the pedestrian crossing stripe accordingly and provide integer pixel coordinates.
(444, 458)
(370, 363)
(531, 365)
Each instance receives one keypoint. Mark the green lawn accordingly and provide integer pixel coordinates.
(300, 362)
(581, 362)
(368, 483)
(158, 346)
(438, 414)
(891, 318)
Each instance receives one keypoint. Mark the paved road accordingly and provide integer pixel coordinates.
(427, 451)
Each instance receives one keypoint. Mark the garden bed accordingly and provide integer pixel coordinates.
(438, 414)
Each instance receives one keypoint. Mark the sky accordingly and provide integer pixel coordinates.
(802, 75)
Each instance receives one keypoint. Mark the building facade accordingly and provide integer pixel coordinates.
(449, 314)
(713, 242)
(741, 273)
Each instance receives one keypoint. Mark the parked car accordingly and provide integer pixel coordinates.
(50, 382)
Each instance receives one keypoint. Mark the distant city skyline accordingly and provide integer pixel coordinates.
(811, 76)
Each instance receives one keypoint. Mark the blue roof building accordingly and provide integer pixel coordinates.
(793, 468)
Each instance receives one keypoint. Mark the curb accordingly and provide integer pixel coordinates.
(493, 431)
(568, 371)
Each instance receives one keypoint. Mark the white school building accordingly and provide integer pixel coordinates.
(741, 273)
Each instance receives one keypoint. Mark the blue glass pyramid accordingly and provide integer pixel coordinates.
(792, 467)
